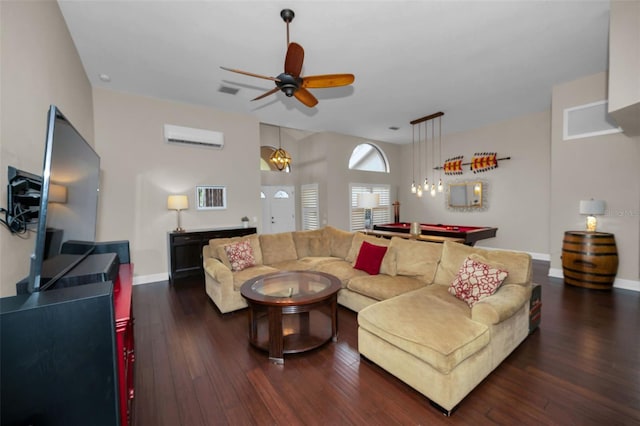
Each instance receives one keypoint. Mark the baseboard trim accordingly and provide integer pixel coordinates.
(153, 278)
(621, 283)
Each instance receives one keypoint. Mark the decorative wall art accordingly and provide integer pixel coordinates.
(481, 162)
(211, 197)
(453, 166)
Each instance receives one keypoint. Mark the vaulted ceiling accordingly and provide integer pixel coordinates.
(477, 61)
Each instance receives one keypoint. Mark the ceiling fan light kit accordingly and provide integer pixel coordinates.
(290, 82)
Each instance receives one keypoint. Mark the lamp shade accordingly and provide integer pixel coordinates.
(592, 207)
(177, 202)
(368, 200)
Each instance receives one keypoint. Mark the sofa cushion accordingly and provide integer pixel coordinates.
(304, 264)
(382, 287)
(241, 277)
(339, 241)
(302, 241)
(277, 248)
(476, 280)
(501, 305)
(369, 258)
(216, 250)
(356, 243)
(240, 255)
(518, 264)
(416, 258)
(342, 270)
(429, 324)
(320, 247)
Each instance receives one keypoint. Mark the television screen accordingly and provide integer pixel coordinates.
(69, 197)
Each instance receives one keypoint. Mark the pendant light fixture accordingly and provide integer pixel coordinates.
(440, 185)
(425, 184)
(427, 187)
(419, 187)
(413, 160)
(280, 158)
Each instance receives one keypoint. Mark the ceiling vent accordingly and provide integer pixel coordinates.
(189, 136)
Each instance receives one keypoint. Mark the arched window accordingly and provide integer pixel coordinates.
(368, 157)
(265, 164)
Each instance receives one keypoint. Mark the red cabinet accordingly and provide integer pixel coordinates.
(123, 309)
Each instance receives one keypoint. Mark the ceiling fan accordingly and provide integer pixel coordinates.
(290, 81)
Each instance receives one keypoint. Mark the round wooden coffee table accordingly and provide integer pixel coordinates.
(291, 311)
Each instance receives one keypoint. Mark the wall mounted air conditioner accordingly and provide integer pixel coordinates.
(190, 136)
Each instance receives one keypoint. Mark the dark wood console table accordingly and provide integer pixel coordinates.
(185, 250)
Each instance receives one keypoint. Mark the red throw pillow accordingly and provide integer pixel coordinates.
(240, 255)
(476, 280)
(370, 258)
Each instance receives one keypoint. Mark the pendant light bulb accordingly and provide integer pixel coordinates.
(425, 185)
(413, 188)
(440, 186)
(419, 192)
(433, 189)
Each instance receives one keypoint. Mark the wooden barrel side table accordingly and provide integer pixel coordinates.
(589, 259)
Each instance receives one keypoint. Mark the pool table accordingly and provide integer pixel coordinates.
(470, 234)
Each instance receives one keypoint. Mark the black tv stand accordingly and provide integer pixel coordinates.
(92, 269)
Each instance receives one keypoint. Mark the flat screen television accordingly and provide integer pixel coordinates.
(68, 201)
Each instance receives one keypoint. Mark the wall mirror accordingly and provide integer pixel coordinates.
(466, 196)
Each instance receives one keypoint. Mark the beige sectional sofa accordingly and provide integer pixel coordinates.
(408, 322)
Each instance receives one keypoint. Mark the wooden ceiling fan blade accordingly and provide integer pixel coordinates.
(264, 95)
(305, 96)
(250, 74)
(293, 61)
(327, 80)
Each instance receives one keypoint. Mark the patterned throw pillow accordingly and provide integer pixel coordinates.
(240, 255)
(476, 280)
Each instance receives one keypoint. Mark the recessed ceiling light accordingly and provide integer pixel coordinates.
(394, 128)
(105, 78)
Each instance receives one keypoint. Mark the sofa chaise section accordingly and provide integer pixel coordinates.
(435, 342)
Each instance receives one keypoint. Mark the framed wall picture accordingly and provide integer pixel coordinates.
(211, 197)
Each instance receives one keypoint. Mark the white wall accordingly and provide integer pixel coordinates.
(517, 191)
(140, 170)
(40, 66)
(325, 157)
(601, 167)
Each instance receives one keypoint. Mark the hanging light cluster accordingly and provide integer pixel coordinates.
(427, 123)
(280, 158)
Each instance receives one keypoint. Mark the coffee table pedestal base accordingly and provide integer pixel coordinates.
(283, 330)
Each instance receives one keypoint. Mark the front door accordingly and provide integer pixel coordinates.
(278, 209)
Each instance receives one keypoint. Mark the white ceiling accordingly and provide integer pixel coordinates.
(477, 61)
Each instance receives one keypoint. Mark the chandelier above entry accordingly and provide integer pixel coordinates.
(280, 158)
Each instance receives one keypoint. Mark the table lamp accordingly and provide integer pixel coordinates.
(368, 201)
(178, 202)
(592, 208)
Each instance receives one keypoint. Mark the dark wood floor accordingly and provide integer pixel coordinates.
(195, 367)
